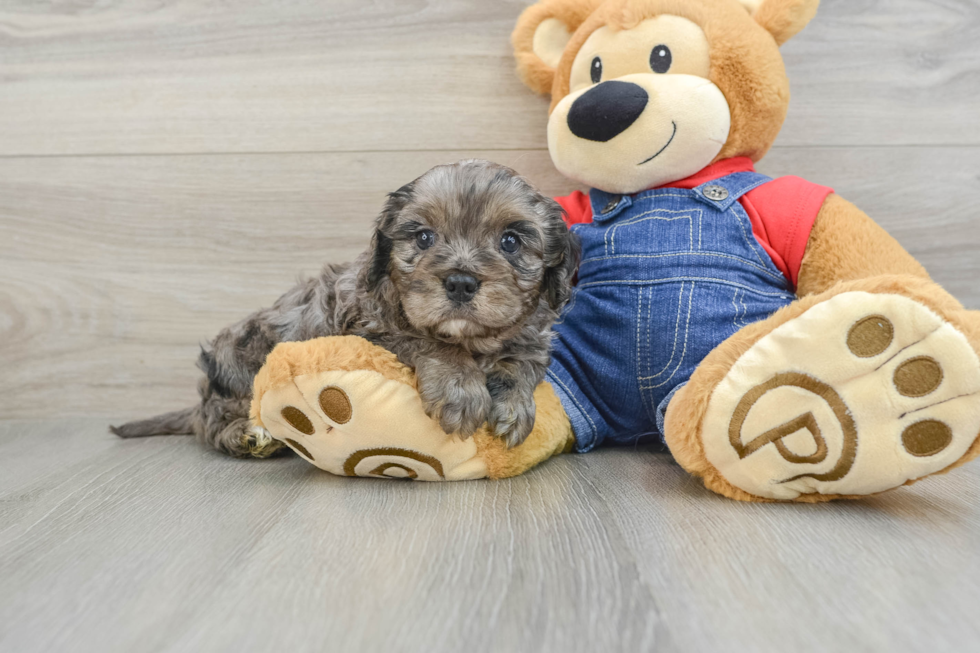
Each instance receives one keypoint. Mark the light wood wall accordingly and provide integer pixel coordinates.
(166, 167)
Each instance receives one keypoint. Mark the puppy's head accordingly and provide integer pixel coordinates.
(470, 251)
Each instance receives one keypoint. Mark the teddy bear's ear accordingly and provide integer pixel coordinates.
(782, 18)
(540, 37)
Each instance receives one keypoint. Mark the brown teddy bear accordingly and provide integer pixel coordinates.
(782, 345)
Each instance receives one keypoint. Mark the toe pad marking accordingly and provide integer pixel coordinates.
(870, 336)
(336, 405)
(926, 438)
(297, 419)
(300, 448)
(918, 377)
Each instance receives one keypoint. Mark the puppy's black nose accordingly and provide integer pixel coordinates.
(461, 287)
(606, 110)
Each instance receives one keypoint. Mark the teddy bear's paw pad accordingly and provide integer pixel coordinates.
(358, 423)
(859, 394)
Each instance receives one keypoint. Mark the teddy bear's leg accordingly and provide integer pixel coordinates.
(864, 387)
(351, 408)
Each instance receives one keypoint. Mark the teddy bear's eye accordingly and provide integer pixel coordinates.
(660, 59)
(596, 70)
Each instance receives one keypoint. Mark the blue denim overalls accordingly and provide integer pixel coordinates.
(666, 276)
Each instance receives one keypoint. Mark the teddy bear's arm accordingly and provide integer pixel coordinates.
(846, 245)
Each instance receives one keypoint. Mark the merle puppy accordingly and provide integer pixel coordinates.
(466, 272)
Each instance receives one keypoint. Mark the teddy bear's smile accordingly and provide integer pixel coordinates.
(661, 150)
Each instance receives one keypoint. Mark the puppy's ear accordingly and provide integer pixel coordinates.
(556, 286)
(381, 244)
(394, 204)
(540, 37)
(380, 260)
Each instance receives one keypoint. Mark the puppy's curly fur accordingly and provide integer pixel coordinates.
(467, 271)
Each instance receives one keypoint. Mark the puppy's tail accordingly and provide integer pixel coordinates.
(179, 422)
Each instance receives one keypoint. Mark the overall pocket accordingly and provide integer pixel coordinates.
(664, 314)
(650, 232)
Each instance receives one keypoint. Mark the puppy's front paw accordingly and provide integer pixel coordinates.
(512, 417)
(259, 443)
(460, 403)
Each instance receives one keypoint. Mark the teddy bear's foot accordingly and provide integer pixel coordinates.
(350, 408)
(859, 394)
(360, 423)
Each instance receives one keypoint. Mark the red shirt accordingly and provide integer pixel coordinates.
(782, 211)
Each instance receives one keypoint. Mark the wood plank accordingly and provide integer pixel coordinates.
(115, 268)
(158, 544)
(189, 77)
(896, 572)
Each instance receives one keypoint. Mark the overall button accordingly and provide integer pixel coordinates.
(613, 203)
(716, 193)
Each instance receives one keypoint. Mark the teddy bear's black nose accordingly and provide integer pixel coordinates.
(606, 110)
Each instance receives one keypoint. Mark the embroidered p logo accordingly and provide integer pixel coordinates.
(804, 422)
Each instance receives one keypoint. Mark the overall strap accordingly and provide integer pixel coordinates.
(606, 206)
(721, 193)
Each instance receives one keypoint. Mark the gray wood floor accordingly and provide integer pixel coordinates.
(166, 166)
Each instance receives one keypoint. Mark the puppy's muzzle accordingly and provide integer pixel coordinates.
(607, 110)
(461, 288)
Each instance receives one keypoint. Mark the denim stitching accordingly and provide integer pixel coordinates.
(639, 319)
(687, 213)
(735, 306)
(687, 332)
(677, 328)
(659, 196)
(741, 226)
(730, 208)
(649, 331)
(780, 276)
(571, 395)
(723, 282)
(568, 307)
(641, 218)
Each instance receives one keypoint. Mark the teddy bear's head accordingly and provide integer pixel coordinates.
(646, 92)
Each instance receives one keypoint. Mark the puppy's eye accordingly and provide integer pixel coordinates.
(596, 70)
(510, 242)
(425, 239)
(661, 59)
